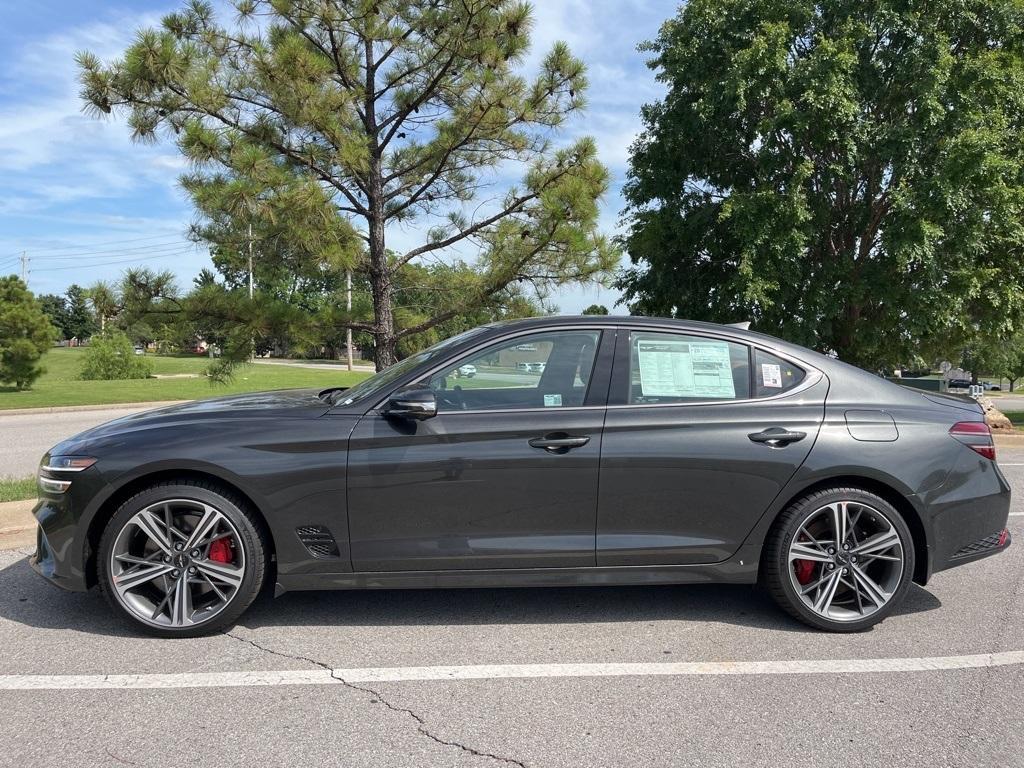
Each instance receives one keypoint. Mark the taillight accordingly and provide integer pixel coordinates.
(975, 435)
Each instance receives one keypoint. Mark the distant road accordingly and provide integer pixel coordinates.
(27, 436)
(315, 366)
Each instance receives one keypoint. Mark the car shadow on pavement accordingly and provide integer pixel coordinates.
(27, 599)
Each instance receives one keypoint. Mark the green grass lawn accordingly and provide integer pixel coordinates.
(60, 384)
(1017, 417)
(12, 489)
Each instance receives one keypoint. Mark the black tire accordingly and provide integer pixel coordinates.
(249, 537)
(776, 573)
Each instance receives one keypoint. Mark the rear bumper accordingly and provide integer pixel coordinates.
(969, 514)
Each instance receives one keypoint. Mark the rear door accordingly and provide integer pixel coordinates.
(701, 435)
(504, 476)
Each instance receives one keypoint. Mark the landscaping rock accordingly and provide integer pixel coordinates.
(996, 419)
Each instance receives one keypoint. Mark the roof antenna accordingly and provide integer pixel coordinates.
(744, 326)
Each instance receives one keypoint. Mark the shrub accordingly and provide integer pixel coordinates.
(112, 356)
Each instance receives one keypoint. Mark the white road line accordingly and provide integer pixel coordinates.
(503, 671)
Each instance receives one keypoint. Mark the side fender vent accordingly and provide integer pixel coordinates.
(317, 539)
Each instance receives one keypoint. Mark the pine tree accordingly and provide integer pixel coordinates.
(333, 123)
(25, 334)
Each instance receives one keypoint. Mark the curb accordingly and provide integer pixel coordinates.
(95, 407)
(17, 525)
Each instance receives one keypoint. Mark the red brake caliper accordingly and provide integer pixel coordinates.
(804, 570)
(220, 551)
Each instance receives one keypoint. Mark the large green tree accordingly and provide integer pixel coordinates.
(381, 114)
(79, 323)
(848, 174)
(56, 308)
(25, 334)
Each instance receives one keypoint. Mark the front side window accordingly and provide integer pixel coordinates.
(542, 370)
(676, 368)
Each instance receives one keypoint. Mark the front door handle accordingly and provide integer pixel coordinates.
(776, 437)
(559, 442)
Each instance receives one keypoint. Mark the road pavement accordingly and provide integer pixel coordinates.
(27, 436)
(366, 678)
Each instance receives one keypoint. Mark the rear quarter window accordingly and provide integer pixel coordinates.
(773, 375)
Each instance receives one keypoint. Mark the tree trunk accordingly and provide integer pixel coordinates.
(381, 288)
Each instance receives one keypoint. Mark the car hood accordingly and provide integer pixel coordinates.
(280, 404)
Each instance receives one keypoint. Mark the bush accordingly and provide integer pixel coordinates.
(112, 356)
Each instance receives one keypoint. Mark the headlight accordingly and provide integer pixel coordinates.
(49, 485)
(68, 463)
(60, 465)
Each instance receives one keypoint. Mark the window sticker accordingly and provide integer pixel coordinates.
(552, 401)
(771, 375)
(685, 369)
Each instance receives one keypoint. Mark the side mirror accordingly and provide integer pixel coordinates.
(418, 404)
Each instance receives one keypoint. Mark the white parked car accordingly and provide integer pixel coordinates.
(465, 371)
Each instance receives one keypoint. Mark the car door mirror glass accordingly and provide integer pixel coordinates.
(417, 404)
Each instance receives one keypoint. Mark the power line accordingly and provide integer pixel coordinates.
(120, 261)
(136, 249)
(102, 244)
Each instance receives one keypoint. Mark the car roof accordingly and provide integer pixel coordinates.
(639, 321)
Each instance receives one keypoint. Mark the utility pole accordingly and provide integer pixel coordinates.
(250, 261)
(348, 306)
(252, 343)
(24, 267)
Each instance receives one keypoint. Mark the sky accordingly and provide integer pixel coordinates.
(82, 201)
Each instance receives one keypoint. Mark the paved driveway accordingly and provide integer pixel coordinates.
(641, 676)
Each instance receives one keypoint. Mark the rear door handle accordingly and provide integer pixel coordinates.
(559, 442)
(776, 437)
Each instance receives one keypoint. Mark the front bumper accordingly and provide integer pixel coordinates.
(62, 546)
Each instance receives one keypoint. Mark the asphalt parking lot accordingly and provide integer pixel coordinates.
(664, 676)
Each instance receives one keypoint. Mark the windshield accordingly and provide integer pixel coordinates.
(380, 381)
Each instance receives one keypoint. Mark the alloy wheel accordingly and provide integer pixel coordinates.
(177, 563)
(846, 561)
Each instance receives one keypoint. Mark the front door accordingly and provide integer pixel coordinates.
(701, 435)
(506, 474)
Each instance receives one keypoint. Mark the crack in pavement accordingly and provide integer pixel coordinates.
(421, 724)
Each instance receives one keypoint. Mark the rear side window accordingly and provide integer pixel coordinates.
(672, 368)
(773, 375)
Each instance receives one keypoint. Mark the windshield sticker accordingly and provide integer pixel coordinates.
(685, 369)
(771, 375)
(552, 401)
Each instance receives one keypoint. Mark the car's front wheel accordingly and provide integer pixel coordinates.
(840, 559)
(181, 559)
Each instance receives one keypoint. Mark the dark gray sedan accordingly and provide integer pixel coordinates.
(584, 451)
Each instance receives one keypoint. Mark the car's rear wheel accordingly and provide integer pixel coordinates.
(840, 559)
(182, 559)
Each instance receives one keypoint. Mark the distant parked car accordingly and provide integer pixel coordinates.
(466, 371)
(536, 367)
(139, 349)
(990, 387)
